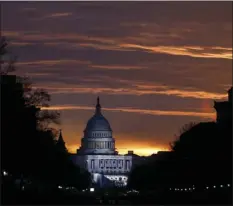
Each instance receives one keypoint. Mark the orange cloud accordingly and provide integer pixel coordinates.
(54, 15)
(103, 47)
(11, 33)
(139, 111)
(14, 43)
(117, 67)
(57, 37)
(53, 62)
(184, 51)
(38, 74)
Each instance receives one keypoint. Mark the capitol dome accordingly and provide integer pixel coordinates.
(97, 137)
(98, 126)
(98, 122)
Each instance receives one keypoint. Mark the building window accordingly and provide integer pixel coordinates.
(126, 164)
(92, 164)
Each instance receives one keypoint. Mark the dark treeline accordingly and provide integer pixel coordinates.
(201, 155)
(29, 147)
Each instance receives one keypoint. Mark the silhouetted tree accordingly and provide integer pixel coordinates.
(200, 155)
(205, 148)
(28, 144)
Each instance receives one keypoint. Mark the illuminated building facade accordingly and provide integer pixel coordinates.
(98, 155)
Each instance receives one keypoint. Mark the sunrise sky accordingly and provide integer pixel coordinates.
(156, 65)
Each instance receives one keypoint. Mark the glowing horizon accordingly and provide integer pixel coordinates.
(143, 151)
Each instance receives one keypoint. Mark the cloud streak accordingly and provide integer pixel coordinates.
(138, 90)
(132, 110)
(55, 15)
(52, 62)
(123, 44)
(118, 67)
(225, 53)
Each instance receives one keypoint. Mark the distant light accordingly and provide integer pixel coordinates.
(228, 185)
(207, 188)
(60, 187)
(181, 189)
(214, 186)
(92, 189)
(170, 188)
(185, 189)
(5, 173)
(221, 185)
(23, 188)
(178, 189)
(83, 190)
(190, 189)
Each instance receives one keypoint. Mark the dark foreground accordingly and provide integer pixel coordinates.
(211, 197)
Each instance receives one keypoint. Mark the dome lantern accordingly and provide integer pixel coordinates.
(98, 106)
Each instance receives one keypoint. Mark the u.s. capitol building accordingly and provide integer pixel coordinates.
(98, 155)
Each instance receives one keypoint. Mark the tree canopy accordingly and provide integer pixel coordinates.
(29, 145)
(200, 154)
